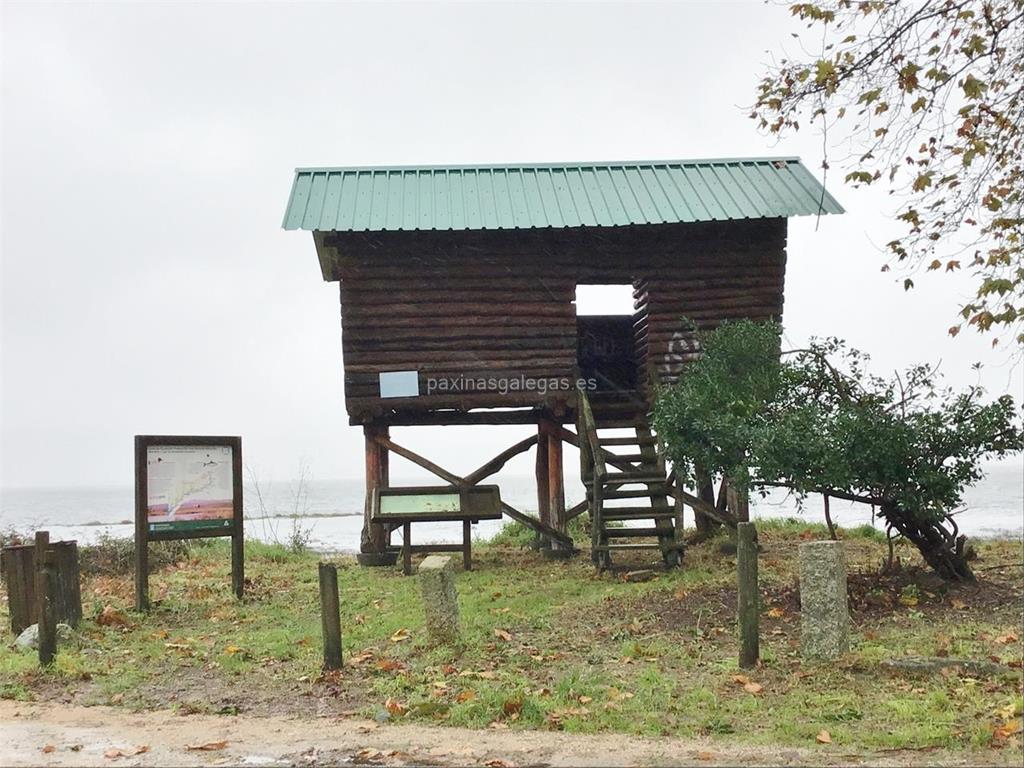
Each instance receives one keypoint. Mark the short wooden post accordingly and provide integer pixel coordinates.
(42, 541)
(47, 592)
(737, 502)
(748, 599)
(330, 615)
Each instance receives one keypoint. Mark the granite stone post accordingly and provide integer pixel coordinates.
(824, 614)
(440, 601)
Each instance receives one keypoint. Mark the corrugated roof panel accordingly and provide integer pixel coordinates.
(694, 210)
(557, 195)
(568, 212)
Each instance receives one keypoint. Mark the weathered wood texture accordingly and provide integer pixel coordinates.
(19, 574)
(330, 615)
(46, 595)
(748, 595)
(466, 307)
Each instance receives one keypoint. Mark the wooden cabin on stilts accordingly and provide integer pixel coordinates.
(457, 288)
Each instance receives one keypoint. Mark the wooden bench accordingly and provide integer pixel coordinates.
(396, 507)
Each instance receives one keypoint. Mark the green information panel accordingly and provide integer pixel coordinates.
(423, 503)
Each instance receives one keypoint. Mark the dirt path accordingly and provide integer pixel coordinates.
(32, 734)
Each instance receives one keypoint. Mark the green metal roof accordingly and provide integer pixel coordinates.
(558, 195)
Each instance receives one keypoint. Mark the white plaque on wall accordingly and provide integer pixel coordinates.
(400, 384)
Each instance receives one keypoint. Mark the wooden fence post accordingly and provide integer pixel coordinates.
(330, 615)
(47, 595)
(748, 602)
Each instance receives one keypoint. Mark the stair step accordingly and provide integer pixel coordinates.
(625, 533)
(628, 457)
(639, 493)
(621, 423)
(643, 514)
(625, 478)
(612, 547)
(634, 440)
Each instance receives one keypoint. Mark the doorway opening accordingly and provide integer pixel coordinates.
(606, 339)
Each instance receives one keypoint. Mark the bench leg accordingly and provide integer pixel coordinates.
(467, 538)
(407, 549)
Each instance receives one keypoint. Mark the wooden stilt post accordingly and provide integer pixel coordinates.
(373, 547)
(543, 488)
(330, 615)
(385, 476)
(556, 487)
(747, 608)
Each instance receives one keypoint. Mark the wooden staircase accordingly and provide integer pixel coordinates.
(629, 497)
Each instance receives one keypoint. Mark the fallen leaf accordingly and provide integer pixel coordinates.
(705, 755)
(141, 749)
(958, 605)
(467, 695)
(823, 737)
(389, 665)
(585, 699)
(512, 707)
(231, 650)
(111, 617)
(1007, 639)
(48, 749)
(503, 635)
(400, 635)
(1007, 730)
(395, 707)
(113, 753)
(369, 725)
(741, 679)
(209, 746)
(754, 688)
(499, 764)
(776, 613)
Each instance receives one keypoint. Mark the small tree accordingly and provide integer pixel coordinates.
(815, 421)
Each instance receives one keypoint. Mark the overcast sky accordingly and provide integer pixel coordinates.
(147, 156)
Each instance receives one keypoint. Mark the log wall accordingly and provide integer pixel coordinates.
(499, 304)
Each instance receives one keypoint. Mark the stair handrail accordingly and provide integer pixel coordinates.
(587, 428)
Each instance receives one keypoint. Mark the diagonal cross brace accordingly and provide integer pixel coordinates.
(463, 482)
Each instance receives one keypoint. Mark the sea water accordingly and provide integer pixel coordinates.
(330, 512)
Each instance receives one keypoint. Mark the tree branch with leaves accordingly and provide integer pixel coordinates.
(932, 96)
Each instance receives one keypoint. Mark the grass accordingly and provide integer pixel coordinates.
(549, 645)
